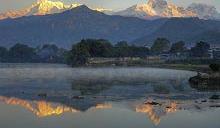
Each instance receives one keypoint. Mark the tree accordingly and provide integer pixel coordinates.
(51, 47)
(89, 48)
(50, 53)
(122, 49)
(122, 44)
(79, 54)
(21, 53)
(178, 47)
(215, 67)
(200, 50)
(139, 51)
(3, 54)
(160, 45)
(99, 48)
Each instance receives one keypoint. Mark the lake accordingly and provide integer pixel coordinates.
(58, 96)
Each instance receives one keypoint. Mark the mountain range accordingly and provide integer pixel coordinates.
(43, 7)
(161, 8)
(152, 9)
(71, 26)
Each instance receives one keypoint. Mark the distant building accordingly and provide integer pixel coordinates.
(175, 56)
(147, 46)
(154, 59)
(214, 52)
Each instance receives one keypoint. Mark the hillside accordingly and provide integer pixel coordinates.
(189, 30)
(69, 27)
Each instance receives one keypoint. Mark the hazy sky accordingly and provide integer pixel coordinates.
(110, 4)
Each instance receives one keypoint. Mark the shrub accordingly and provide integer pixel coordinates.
(215, 67)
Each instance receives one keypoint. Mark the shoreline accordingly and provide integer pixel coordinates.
(188, 67)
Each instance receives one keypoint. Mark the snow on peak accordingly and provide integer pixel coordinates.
(204, 11)
(156, 8)
(43, 7)
(149, 10)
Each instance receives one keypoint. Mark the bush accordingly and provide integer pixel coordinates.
(215, 67)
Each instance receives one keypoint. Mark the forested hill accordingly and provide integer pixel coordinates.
(66, 28)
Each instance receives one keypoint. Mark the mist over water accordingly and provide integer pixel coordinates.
(126, 82)
(50, 95)
(64, 73)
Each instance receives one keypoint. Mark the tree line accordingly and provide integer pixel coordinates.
(21, 53)
(163, 45)
(89, 48)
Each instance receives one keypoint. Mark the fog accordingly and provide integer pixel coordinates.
(64, 73)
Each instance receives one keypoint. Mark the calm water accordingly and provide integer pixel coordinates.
(49, 95)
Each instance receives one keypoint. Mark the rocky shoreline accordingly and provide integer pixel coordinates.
(207, 82)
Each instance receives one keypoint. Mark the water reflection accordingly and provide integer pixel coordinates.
(103, 106)
(142, 93)
(155, 115)
(39, 108)
(149, 110)
(44, 108)
(153, 110)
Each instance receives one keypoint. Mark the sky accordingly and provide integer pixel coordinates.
(6, 5)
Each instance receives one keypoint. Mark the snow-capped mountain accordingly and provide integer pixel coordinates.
(204, 11)
(43, 7)
(150, 10)
(161, 8)
(69, 27)
(156, 8)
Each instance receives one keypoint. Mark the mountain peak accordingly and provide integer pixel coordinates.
(44, 7)
(204, 11)
(163, 8)
(82, 7)
(41, 7)
(156, 8)
(81, 11)
(156, 2)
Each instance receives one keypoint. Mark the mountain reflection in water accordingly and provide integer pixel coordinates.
(153, 112)
(142, 93)
(44, 108)
(39, 108)
(153, 115)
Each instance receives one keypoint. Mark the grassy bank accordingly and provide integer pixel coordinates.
(153, 62)
(190, 67)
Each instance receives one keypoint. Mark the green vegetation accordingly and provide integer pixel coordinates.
(91, 48)
(200, 50)
(160, 45)
(178, 47)
(20, 53)
(215, 67)
(102, 52)
(3, 54)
